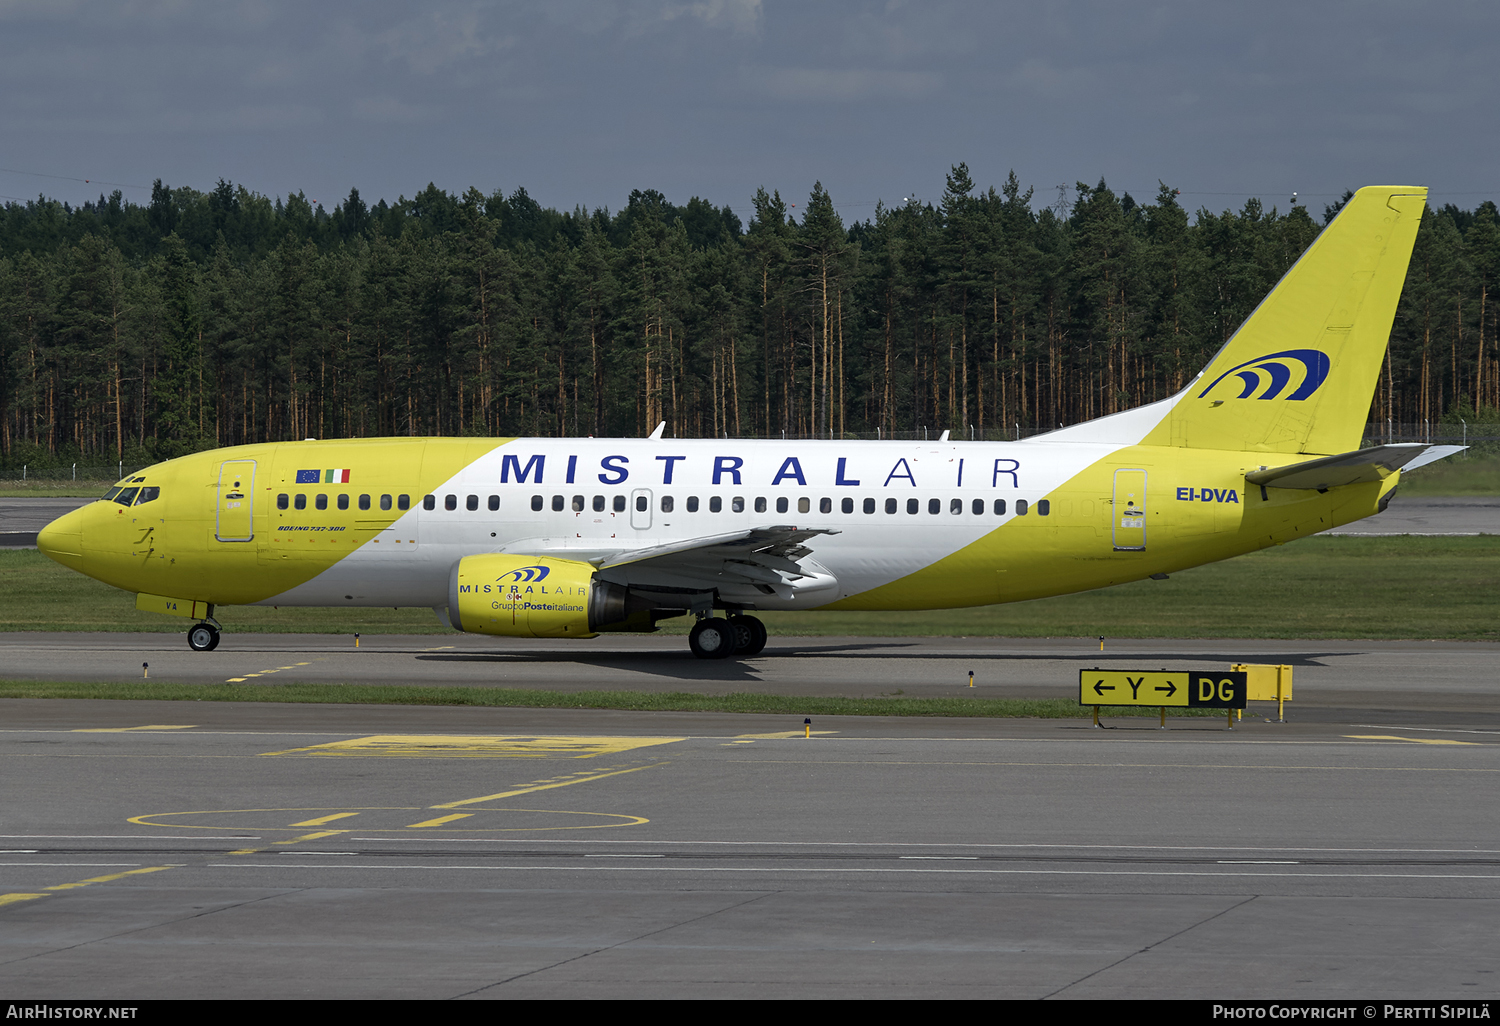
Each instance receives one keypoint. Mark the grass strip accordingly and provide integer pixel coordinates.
(634, 701)
(1325, 587)
(1468, 473)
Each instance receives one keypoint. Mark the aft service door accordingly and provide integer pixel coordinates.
(236, 490)
(1129, 511)
(640, 509)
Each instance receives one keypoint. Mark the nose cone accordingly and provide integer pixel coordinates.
(62, 539)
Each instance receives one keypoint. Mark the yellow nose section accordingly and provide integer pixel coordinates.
(62, 539)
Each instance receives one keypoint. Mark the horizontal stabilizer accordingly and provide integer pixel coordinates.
(1359, 467)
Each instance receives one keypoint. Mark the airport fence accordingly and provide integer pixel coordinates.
(107, 472)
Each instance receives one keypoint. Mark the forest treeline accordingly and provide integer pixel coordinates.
(137, 332)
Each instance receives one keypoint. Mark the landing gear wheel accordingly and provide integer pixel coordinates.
(204, 637)
(713, 638)
(751, 634)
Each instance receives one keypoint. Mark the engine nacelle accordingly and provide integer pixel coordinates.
(539, 597)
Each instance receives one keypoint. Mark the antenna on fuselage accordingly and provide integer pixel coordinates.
(659, 429)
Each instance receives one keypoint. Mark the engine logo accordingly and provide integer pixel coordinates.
(526, 574)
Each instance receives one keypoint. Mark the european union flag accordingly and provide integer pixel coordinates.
(308, 476)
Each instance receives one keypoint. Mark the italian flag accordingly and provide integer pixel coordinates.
(335, 477)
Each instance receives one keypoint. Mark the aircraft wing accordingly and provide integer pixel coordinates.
(761, 555)
(1363, 465)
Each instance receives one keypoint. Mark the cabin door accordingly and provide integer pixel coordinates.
(236, 491)
(1129, 511)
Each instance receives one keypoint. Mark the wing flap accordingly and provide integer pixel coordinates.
(768, 556)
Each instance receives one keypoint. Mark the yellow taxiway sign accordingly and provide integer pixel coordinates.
(1197, 689)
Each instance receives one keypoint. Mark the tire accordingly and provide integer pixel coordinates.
(713, 638)
(751, 634)
(203, 637)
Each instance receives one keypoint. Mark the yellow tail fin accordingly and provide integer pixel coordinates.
(1299, 374)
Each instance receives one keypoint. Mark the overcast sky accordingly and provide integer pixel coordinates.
(581, 101)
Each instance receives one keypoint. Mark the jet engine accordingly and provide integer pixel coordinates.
(541, 597)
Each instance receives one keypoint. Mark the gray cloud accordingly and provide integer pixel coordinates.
(581, 101)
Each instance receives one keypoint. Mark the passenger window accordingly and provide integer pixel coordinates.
(471, 503)
(343, 501)
(781, 504)
(934, 505)
(536, 503)
(429, 502)
(1020, 507)
(666, 504)
(640, 503)
(999, 507)
(760, 504)
(300, 501)
(450, 502)
(956, 506)
(557, 503)
(737, 504)
(890, 505)
(403, 502)
(825, 505)
(578, 504)
(494, 503)
(869, 505)
(385, 502)
(848, 506)
(978, 507)
(147, 494)
(715, 504)
(1043, 507)
(321, 501)
(598, 503)
(804, 505)
(619, 504)
(912, 505)
(692, 504)
(364, 502)
(281, 500)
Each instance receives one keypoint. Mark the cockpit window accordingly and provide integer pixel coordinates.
(112, 493)
(147, 494)
(126, 496)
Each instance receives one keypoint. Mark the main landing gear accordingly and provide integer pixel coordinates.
(203, 637)
(717, 637)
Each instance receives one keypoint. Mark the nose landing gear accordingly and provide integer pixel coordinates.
(203, 637)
